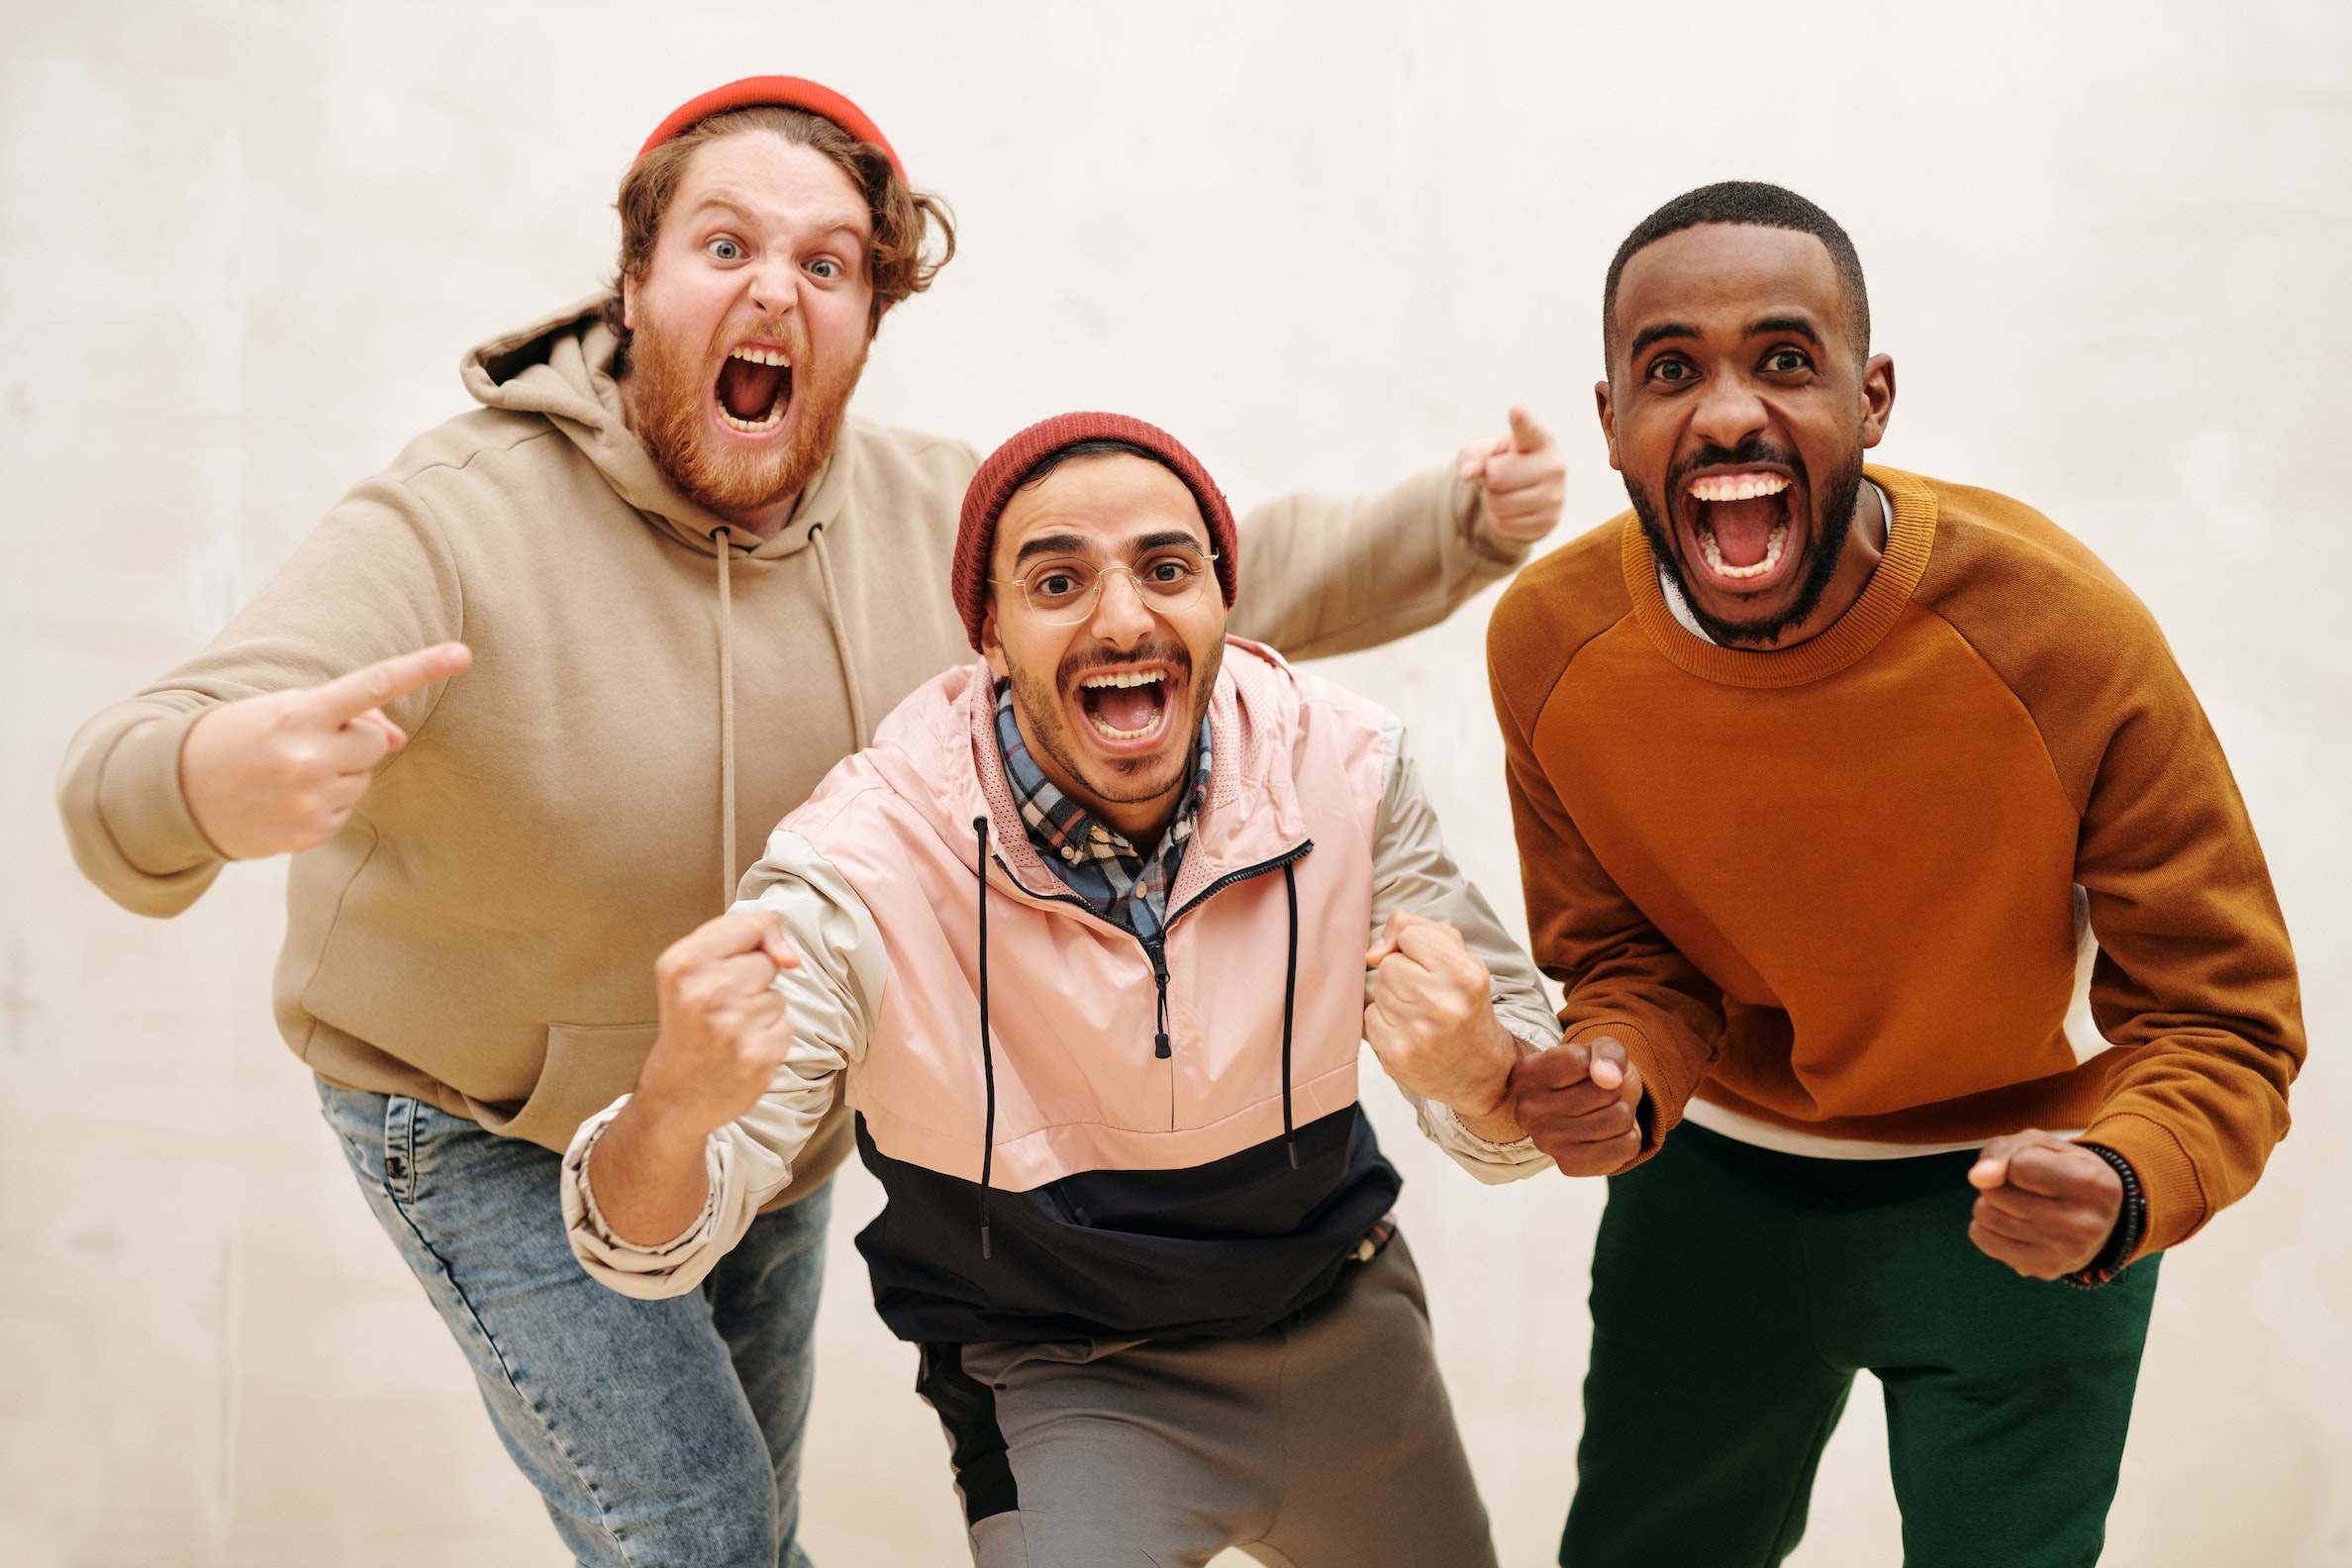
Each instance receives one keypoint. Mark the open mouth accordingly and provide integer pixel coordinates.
(754, 389)
(1126, 705)
(1742, 524)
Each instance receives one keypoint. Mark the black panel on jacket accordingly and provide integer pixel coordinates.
(1226, 1248)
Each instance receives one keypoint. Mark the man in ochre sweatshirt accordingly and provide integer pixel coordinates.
(687, 583)
(1923, 976)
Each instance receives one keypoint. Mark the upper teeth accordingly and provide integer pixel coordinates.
(1736, 487)
(766, 356)
(1122, 678)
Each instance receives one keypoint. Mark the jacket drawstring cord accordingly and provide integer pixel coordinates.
(840, 636)
(722, 538)
(1290, 995)
(987, 1055)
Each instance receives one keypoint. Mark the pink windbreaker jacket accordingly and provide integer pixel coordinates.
(1153, 1139)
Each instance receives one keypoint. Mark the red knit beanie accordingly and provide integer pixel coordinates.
(773, 92)
(993, 486)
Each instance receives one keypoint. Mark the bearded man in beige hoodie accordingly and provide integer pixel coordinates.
(679, 583)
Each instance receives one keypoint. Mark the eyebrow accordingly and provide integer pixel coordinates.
(1659, 333)
(1075, 545)
(843, 221)
(1786, 323)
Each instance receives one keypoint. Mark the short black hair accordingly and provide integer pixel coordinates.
(1765, 207)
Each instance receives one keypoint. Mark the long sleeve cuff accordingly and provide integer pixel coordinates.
(140, 804)
(676, 1266)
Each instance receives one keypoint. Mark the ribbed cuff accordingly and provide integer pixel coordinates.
(2131, 1223)
(2168, 1181)
(140, 804)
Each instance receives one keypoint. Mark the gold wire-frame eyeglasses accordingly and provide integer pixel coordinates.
(1064, 591)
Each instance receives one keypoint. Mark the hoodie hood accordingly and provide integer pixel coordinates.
(561, 368)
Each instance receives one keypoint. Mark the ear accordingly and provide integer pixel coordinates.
(1878, 398)
(992, 646)
(628, 302)
(1608, 411)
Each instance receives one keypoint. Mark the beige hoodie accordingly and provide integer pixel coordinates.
(481, 935)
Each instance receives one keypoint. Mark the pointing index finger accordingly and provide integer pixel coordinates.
(1525, 434)
(345, 697)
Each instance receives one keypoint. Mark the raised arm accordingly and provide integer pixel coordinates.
(762, 1009)
(1324, 574)
(1454, 1003)
(263, 742)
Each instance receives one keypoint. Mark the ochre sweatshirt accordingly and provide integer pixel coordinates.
(1832, 887)
(483, 932)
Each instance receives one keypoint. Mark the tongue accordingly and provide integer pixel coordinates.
(1125, 707)
(748, 390)
(1743, 529)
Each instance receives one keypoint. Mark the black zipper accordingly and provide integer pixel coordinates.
(1156, 951)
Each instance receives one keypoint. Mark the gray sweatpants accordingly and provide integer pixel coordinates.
(1325, 1442)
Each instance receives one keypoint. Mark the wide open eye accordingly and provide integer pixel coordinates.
(1672, 370)
(825, 269)
(724, 249)
(1059, 583)
(1786, 361)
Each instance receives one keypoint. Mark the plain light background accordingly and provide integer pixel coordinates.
(243, 245)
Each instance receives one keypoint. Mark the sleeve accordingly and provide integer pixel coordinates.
(2195, 974)
(834, 999)
(1622, 976)
(1412, 871)
(1324, 575)
(375, 579)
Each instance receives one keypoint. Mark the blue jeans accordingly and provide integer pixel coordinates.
(659, 1433)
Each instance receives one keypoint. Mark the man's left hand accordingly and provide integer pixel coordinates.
(1522, 475)
(2045, 1206)
(1432, 1023)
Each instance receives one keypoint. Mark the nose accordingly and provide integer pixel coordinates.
(774, 286)
(1121, 619)
(1729, 412)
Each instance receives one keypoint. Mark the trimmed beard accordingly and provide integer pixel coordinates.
(670, 386)
(1833, 521)
(1040, 702)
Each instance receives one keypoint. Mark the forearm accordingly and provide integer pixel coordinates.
(648, 1176)
(1323, 575)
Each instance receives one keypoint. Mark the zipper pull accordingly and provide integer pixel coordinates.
(1159, 978)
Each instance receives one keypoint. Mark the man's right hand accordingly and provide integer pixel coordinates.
(725, 1032)
(1579, 1101)
(279, 773)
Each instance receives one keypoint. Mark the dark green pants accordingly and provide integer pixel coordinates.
(1735, 1294)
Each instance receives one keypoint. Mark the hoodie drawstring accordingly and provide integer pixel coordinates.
(987, 1054)
(840, 636)
(722, 538)
(1290, 994)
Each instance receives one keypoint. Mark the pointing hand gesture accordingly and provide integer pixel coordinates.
(279, 773)
(1524, 475)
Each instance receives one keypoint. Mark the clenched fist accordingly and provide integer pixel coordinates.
(279, 773)
(1581, 1103)
(725, 1032)
(2045, 1206)
(1432, 1023)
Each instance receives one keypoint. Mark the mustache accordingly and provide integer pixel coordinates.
(1754, 452)
(1153, 650)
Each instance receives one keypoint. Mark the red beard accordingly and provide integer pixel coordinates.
(670, 389)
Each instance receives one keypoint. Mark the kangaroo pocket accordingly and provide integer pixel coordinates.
(588, 1066)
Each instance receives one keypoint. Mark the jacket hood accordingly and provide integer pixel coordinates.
(561, 366)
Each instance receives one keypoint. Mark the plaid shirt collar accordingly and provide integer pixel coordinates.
(1093, 859)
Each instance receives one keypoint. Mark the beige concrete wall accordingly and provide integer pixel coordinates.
(243, 243)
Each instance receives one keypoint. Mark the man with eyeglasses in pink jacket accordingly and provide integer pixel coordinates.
(1087, 941)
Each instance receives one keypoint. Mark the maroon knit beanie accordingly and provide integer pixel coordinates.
(993, 486)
